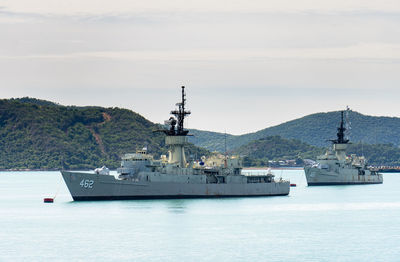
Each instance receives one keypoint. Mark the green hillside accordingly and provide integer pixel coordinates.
(214, 141)
(380, 154)
(37, 134)
(259, 152)
(315, 130)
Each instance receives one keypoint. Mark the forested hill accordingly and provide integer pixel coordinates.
(313, 129)
(37, 134)
(259, 152)
(275, 148)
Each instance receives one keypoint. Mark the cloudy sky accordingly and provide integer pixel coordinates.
(247, 65)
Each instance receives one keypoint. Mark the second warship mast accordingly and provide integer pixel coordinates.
(340, 134)
(340, 144)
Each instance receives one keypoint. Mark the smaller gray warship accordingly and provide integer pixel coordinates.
(335, 168)
(142, 177)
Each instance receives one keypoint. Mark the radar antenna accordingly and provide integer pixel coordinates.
(179, 114)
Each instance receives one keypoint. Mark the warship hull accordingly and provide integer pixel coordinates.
(89, 186)
(320, 177)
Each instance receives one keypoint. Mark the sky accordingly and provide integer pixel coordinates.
(246, 65)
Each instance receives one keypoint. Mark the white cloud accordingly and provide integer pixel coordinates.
(295, 56)
(62, 7)
(364, 52)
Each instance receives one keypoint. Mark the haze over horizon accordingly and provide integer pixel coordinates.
(246, 66)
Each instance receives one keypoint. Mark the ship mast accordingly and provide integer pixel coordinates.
(340, 134)
(226, 154)
(180, 115)
(176, 137)
(340, 144)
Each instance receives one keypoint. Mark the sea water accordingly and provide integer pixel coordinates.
(331, 223)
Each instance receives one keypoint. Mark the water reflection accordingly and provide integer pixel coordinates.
(177, 206)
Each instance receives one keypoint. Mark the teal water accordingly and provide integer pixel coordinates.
(338, 223)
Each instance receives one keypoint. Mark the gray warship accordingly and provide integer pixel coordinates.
(142, 177)
(335, 168)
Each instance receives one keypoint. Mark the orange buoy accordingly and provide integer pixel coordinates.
(292, 185)
(48, 200)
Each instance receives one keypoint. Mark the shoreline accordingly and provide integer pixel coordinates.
(274, 168)
(37, 170)
(54, 169)
(244, 169)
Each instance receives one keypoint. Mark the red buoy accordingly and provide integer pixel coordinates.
(292, 185)
(48, 200)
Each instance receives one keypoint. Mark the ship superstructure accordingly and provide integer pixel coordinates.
(336, 168)
(142, 177)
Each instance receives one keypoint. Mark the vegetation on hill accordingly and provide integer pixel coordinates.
(35, 101)
(276, 148)
(36, 134)
(377, 155)
(214, 141)
(313, 129)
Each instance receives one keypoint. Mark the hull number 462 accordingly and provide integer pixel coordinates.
(86, 183)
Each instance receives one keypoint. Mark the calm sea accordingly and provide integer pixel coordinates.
(337, 223)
